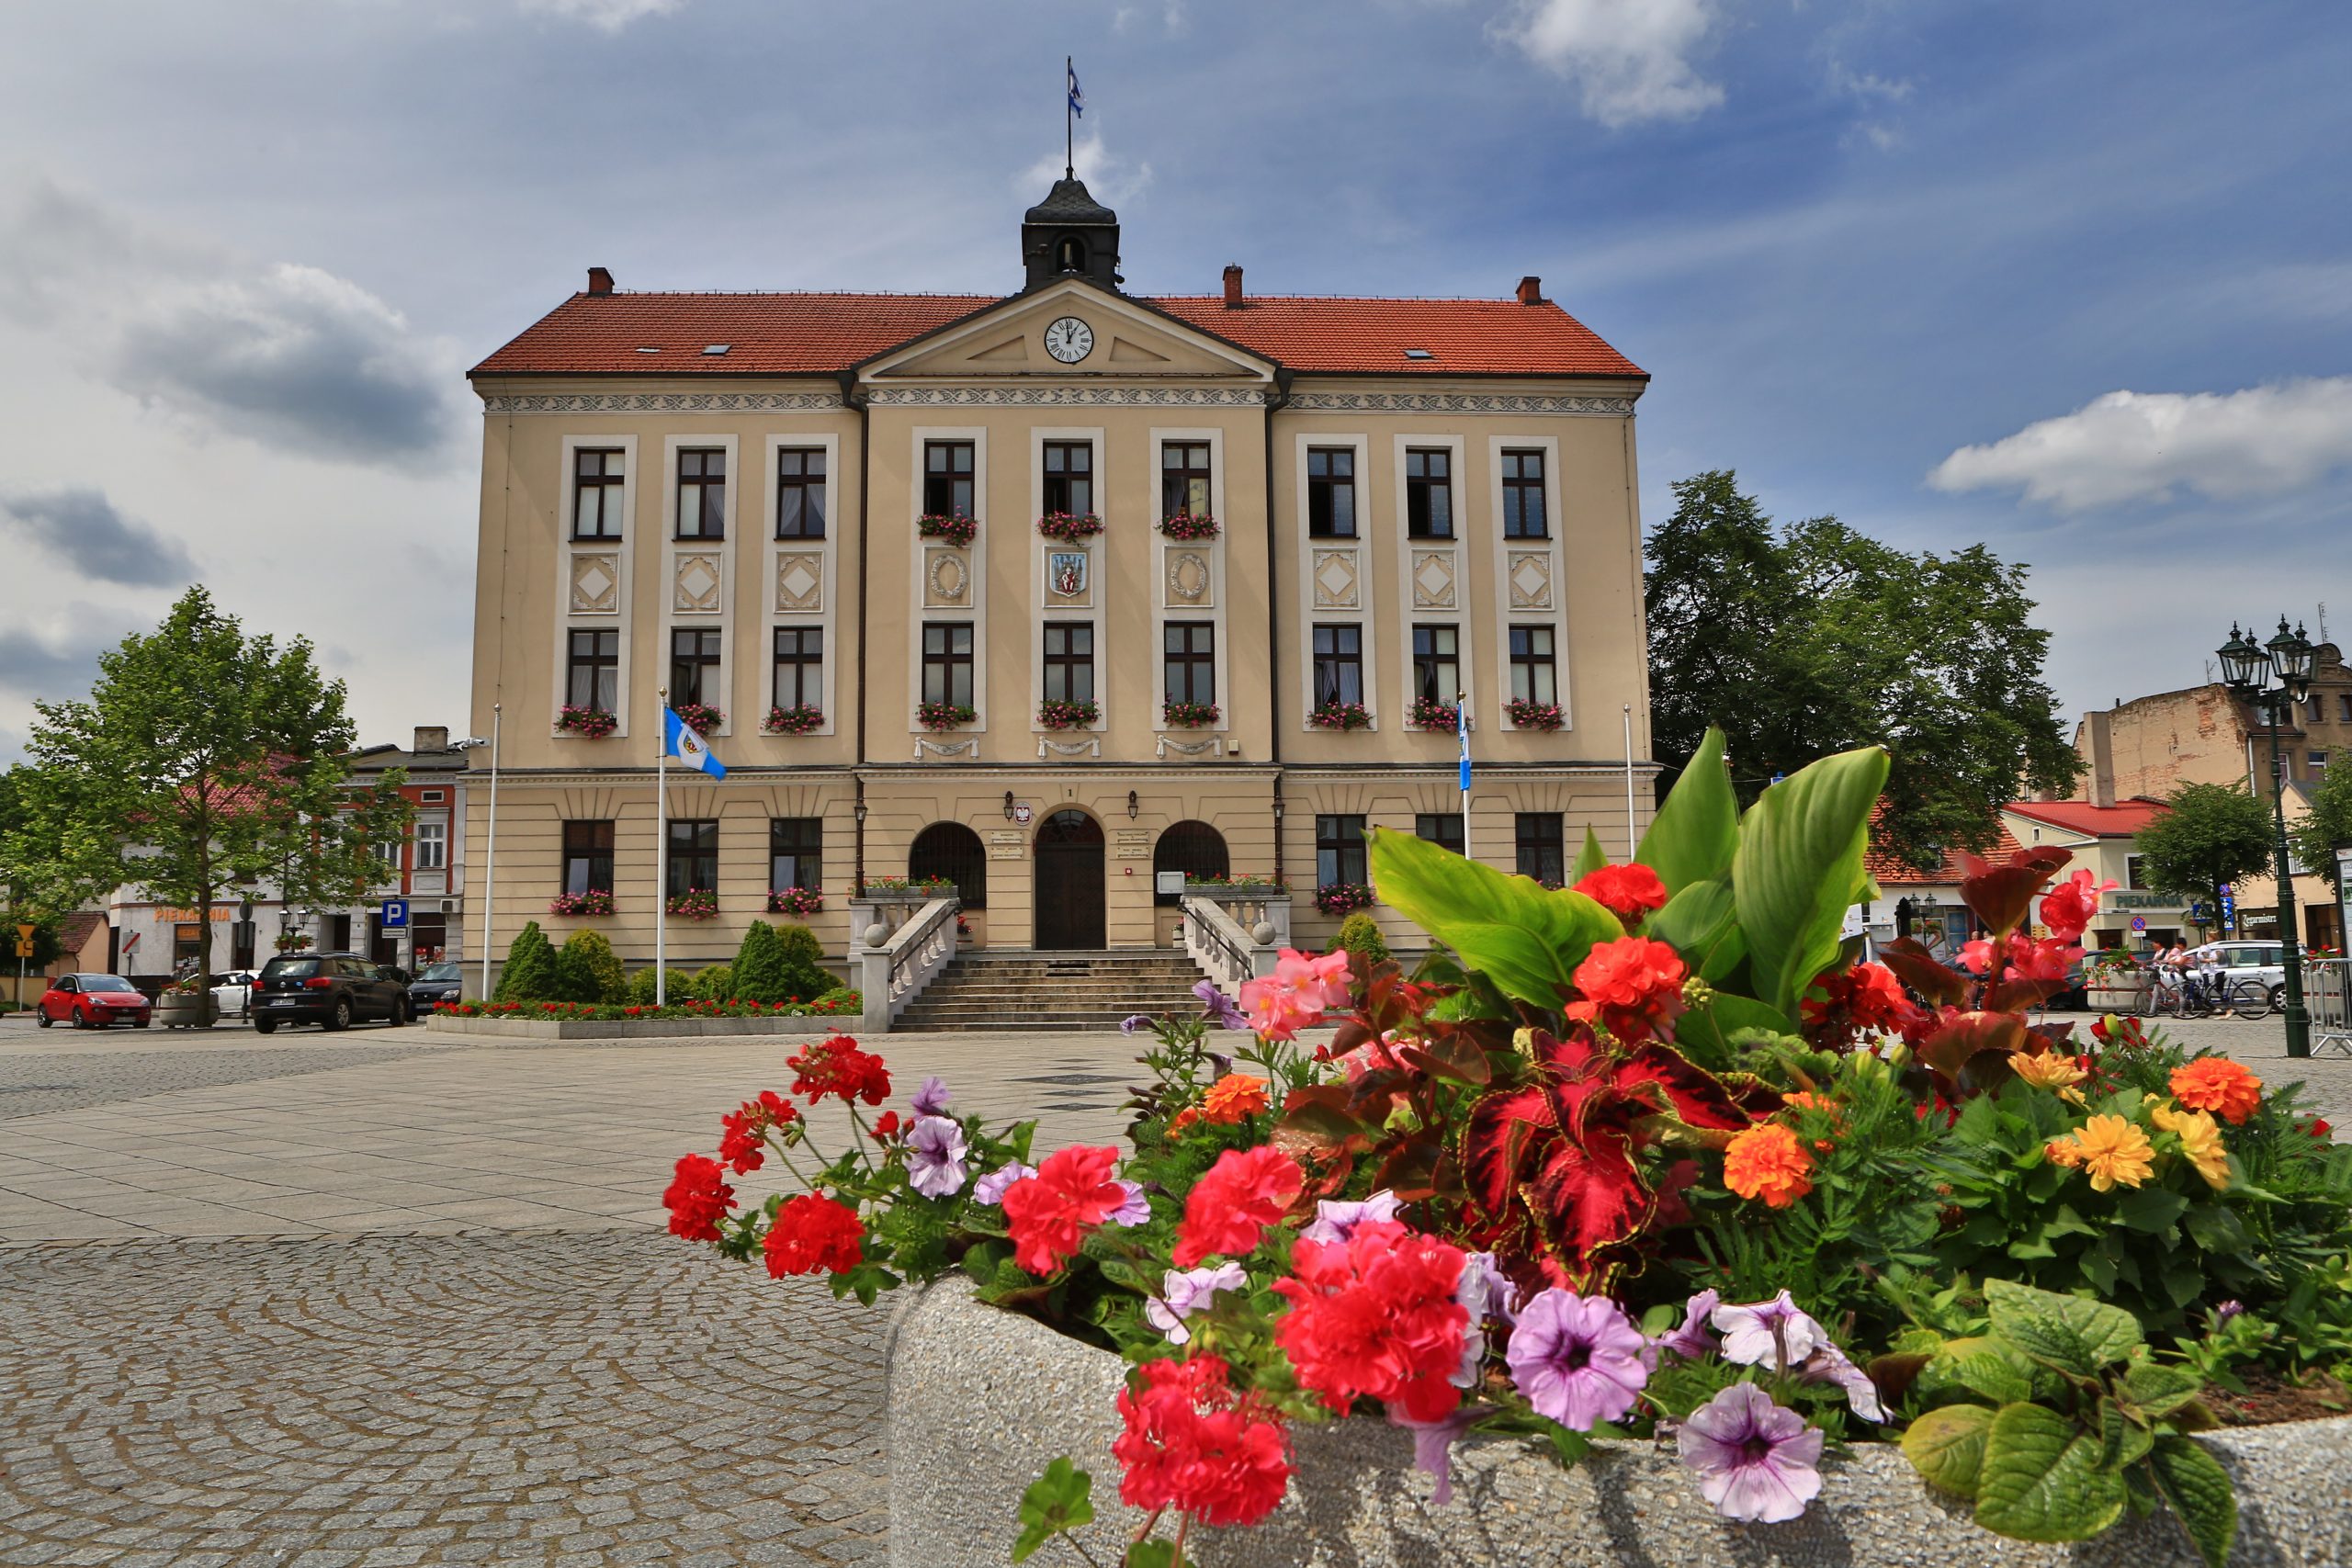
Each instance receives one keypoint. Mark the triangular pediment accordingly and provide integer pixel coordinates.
(1129, 340)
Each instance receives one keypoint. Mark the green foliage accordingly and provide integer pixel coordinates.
(1526, 939)
(2214, 834)
(1059, 1500)
(2326, 827)
(715, 984)
(1696, 831)
(48, 943)
(587, 970)
(1843, 641)
(1360, 935)
(1798, 869)
(530, 974)
(640, 987)
(805, 975)
(759, 965)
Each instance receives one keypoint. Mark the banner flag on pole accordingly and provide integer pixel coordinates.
(1077, 98)
(682, 742)
(1462, 728)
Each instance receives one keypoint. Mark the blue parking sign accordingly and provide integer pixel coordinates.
(395, 914)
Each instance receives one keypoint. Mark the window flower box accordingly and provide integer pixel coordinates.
(1252, 886)
(958, 528)
(291, 942)
(1340, 716)
(895, 887)
(593, 724)
(595, 901)
(695, 904)
(1189, 527)
(1526, 715)
(938, 716)
(700, 717)
(798, 719)
(1188, 715)
(795, 901)
(1067, 528)
(1342, 898)
(1431, 712)
(1068, 716)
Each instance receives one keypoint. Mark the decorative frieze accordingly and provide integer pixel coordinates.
(660, 402)
(1335, 576)
(801, 583)
(1014, 395)
(1529, 572)
(1433, 577)
(1462, 402)
(694, 583)
(595, 582)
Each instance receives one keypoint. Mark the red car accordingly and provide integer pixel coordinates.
(93, 1001)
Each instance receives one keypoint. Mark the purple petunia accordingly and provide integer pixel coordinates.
(1485, 1293)
(1335, 1221)
(1692, 1340)
(1136, 1211)
(1221, 1010)
(1186, 1291)
(989, 1188)
(1829, 1364)
(935, 1156)
(930, 1100)
(1576, 1358)
(1433, 1445)
(1756, 1461)
(1776, 1333)
(1134, 1023)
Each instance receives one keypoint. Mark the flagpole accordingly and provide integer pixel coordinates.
(1632, 840)
(662, 857)
(1462, 723)
(1069, 132)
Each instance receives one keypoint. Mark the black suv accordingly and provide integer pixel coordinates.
(333, 990)
(442, 982)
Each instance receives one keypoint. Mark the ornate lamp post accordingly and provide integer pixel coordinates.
(2247, 667)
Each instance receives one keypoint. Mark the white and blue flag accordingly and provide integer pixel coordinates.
(1077, 98)
(1462, 728)
(682, 742)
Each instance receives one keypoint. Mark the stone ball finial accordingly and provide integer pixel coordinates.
(875, 935)
(1262, 932)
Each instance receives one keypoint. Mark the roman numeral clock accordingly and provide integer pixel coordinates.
(1070, 340)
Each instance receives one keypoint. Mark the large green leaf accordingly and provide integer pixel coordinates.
(2199, 1489)
(1528, 940)
(2066, 1332)
(1701, 923)
(1591, 858)
(1704, 1033)
(2041, 1479)
(1696, 831)
(1799, 868)
(1947, 1447)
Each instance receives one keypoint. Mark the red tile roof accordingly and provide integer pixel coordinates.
(804, 334)
(2121, 821)
(1892, 872)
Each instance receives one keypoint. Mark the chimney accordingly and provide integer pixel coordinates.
(1233, 288)
(2099, 772)
(430, 738)
(599, 281)
(1530, 291)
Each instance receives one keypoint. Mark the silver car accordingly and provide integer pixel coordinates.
(2239, 961)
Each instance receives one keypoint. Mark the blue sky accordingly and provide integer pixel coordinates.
(2070, 279)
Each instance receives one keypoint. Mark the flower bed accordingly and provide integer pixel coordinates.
(1187, 527)
(1342, 898)
(938, 717)
(1069, 528)
(594, 724)
(1339, 716)
(1188, 715)
(1526, 715)
(694, 904)
(800, 901)
(1068, 716)
(595, 901)
(955, 527)
(839, 1003)
(700, 717)
(1246, 884)
(1429, 712)
(1643, 1159)
(798, 719)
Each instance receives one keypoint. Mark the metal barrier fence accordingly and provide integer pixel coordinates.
(2327, 993)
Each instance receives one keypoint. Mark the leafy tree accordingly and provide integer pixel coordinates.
(759, 965)
(1360, 935)
(203, 759)
(715, 983)
(640, 987)
(805, 975)
(2326, 827)
(1812, 639)
(588, 970)
(530, 974)
(2214, 834)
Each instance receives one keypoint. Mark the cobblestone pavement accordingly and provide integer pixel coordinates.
(71, 1080)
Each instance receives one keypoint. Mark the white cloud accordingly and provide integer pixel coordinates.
(1110, 177)
(1630, 59)
(2143, 445)
(609, 15)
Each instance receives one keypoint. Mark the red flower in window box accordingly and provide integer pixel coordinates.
(1431, 712)
(700, 717)
(955, 527)
(1069, 528)
(1068, 716)
(798, 719)
(1188, 525)
(936, 717)
(1188, 715)
(1340, 716)
(594, 724)
(795, 901)
(595, 901)
(695, 904)
(1526, 715)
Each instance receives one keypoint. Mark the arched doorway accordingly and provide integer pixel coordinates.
(952, 850)
(1069, 881)
(1193, 848)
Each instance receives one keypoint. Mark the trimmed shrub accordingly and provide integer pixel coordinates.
(759, 965)
(530, 974)
(716, 984)
(805, 975)
(1360, 934)
(640, 987)
(588, 970)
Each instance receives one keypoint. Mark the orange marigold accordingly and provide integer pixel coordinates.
(1232, 1097)
(2218, 1085)
(1767, 1162)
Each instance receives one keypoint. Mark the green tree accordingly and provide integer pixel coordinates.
(715, 983)
(1809, 639)
(759, 965)
(2214, 834)
(529, 974)
(588, 970)
(203, 760)
(805, 975)
(1360, 935)
(2327, 826)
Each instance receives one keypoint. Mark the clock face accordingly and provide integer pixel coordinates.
(1070, 340)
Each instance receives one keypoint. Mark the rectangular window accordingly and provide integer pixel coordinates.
(1429, 493)
(1523, 497)
(598, 482)
(947, 479)
(588, 857)
(1437, 662)
(1070, 476)
(2344, 708)
(2316, 711)
(593, 679)
(800, 492)
(1339, 664)
(702, 492)
(1441, 828)
(693, 854)
(432, 846)
(2132, 878)
(1331, 492)
(1184, 478)
(1542, 838)
(1069, 661)
(1531, 677)
(1340, 851)
(795, 852)
(947, 662)
(1188, 668)
(800, 667)
(2318, 761)
(694, 665)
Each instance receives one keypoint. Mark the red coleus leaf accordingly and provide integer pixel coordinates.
(1920, 969)
(1959, 1036)
(2000, 894)
(1589, 1196)
(1500, 1129)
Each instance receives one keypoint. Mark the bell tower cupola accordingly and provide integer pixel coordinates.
(1070, 231)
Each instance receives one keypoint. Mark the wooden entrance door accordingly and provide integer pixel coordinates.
(1069, 881)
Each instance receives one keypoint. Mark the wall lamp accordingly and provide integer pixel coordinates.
(859, 812)
(1008, 805)
(1133, 805)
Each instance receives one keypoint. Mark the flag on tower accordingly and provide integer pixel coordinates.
(1077, 98)
(682, 742)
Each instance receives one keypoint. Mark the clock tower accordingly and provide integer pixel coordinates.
(1070, 231)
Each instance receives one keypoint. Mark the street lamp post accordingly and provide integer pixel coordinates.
(490, 840)
(2247, 667)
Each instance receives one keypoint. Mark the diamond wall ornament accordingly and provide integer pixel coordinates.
(1530, 579)
(1188, 577)
(595, 584)
(801, 583)
(946, 580)
(696, 590)
(1335, 580)
(1433, 579)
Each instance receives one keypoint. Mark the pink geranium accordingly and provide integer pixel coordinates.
(2070, 907)
(1296, 993)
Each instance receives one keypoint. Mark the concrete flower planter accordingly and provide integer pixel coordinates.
(979, 1400)
(803, 1025)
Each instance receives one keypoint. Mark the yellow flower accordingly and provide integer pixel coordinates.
(2114, 1150)
(2064, 1151)
(2049, 1071)
(2200, 1140)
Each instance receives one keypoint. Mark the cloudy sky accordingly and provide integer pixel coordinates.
(2072, 279)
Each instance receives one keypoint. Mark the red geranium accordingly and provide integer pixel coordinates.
(812, 1233)
(1631, 986)
(1050, 1212)
(1866, 997)
(1193, 1445)
(1229, 1209)
(742, 1130)
(1375, 1314)
(837, 1068)
(697, 1198)
(886, 1127)
(1628, 892)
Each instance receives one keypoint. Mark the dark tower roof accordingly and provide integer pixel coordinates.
(1070, 231)
(1069, 202)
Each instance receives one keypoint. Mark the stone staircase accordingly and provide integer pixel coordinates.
(1037, 992)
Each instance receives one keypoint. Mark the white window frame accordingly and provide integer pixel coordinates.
(624, 549)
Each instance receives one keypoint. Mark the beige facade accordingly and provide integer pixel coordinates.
(986, 385)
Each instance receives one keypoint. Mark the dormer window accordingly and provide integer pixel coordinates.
(1070, 256)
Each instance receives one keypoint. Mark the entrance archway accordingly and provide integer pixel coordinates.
(952, 850)
(1193, 848)
(1069, 881)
